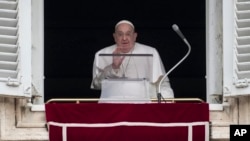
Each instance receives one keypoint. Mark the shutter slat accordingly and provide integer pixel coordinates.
(10, 31)
(243, 6)
(10, 14)
(243, 57)
(8, 22)
(243, 0)
(244, 49)
(8, 73)
(8, 5)
(243, 15)
(243, 23)
(8, 65)
(243, 40)
(243, 66)
(8, 48)
(240, 32)
(8, 39)
(11, 57)
(243, 74)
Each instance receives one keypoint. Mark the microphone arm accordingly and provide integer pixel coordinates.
(177, 30)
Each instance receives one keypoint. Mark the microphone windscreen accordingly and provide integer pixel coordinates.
(175, 27)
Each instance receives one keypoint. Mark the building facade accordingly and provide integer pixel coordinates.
(22, 112)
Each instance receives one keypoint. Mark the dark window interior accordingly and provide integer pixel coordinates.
(75, 30)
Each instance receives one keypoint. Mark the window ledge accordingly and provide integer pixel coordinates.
(38, 108)
(215, 107)
(41, 107)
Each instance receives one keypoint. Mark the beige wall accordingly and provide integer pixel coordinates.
(18, 122)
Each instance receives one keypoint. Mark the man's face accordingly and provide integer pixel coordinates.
(125, 37)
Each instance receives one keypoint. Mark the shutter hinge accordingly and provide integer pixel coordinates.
(242, 83)
(13, 82)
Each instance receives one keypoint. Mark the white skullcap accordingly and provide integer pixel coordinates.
(124, 21)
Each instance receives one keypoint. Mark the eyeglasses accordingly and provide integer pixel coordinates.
(122, 34)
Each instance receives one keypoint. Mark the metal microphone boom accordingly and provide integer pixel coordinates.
(177, 30)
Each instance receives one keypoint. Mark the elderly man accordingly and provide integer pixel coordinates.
(127, 66)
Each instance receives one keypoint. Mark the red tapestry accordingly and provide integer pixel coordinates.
(128, 122)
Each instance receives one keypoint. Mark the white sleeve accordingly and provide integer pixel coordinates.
(99, 75)
(166, 90)
(159, 71)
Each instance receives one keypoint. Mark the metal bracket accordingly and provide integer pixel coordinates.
(13, 83)
(241, 83)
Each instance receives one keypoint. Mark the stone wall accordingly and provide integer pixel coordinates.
(19, 123)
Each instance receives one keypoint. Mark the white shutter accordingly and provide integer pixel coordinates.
(237, 82)
(15, 48)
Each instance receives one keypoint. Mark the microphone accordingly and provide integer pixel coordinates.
(178, 31)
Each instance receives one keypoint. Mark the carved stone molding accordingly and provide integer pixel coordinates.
(18, 123)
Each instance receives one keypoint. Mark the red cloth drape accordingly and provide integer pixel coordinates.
(94, 113)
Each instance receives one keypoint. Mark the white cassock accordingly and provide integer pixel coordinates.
(133, 67)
